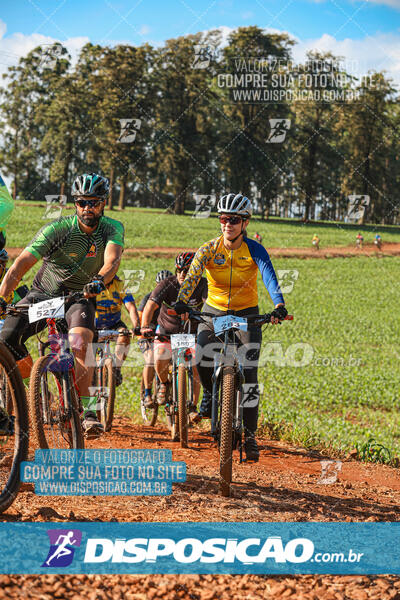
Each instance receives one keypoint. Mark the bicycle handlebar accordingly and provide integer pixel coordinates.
(256, 319)
(113, 334)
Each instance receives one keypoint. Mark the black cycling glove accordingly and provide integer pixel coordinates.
(181, 308)
(96, 286)
(279, 313)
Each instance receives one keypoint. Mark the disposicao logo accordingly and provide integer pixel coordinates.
(190, 550)
(62, 547)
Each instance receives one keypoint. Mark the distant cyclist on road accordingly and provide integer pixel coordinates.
(6, 208)
(315, 241)
(231, 263)
(359, 240)
(146, 345)
(163, 297)
(258, 237)
(79, 252)
(378, 241)
(108, 316)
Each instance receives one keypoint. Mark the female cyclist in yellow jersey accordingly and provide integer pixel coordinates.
(231, 263)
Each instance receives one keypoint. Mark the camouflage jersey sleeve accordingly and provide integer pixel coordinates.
(6, 205)
(202, 257)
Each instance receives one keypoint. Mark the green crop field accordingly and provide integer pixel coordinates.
(145, 228)
(331, 378)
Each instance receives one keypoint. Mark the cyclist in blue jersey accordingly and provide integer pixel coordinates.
(108, 316)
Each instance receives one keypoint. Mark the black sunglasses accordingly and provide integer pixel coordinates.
(91, 203)
(232, 220)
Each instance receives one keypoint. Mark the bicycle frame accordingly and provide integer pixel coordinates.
(62, 363)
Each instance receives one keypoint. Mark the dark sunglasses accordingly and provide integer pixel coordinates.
(90, 203)
(232, 220)
(179, 270)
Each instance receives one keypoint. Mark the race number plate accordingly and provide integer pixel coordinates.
(222, 324)
(48, 309)
(182, 340)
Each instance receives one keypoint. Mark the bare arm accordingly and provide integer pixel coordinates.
(133, 313)
(112, 258)
(148, 313)
(23, 263)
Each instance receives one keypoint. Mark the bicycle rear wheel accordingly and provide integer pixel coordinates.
(106, 383)
(149, 415)
(54, 426)
(182, 405)
(14, 431)
(225, 448)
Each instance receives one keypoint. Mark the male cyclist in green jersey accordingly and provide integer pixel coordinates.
(80, 252)
(6, 208)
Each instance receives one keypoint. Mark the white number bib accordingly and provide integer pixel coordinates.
(183, 340)
(222, 324)
(48, 309)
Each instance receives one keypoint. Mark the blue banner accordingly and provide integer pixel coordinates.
(223, 548)
(103, 472)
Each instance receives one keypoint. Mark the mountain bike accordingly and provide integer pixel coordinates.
(182, 345)
(150, 414)
(14, 426)
(53, 394)
(104, 375)
(227, 390)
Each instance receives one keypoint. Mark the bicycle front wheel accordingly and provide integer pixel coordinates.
(225, 449)
(149, 415)
(182, 406)
(14, 428)
(106, 383)
(54, 407)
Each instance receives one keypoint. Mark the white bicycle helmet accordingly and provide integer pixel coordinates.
(235, 204)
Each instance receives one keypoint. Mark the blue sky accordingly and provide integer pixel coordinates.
(364, 30)
(136, 20)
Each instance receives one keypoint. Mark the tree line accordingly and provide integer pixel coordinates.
(198, 117)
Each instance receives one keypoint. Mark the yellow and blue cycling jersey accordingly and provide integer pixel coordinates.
(109, 304)
(232, 275)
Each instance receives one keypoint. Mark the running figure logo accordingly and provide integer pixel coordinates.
(62, 547)
(129, 129)
(279, 129)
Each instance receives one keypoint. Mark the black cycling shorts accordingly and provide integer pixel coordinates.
(17, 329)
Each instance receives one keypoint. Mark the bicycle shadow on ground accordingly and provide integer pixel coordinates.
(303, 505)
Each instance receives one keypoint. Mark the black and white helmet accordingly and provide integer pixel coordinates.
(92, 185)
(235, 204)
(164, 274)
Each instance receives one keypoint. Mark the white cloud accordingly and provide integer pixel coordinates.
(144, 30)
(13, 47)
(391, 3)
(380, 52)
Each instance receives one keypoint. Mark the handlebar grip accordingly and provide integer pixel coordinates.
(289, 318)
(171, 311)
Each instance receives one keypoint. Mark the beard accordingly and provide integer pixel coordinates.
(89, 220)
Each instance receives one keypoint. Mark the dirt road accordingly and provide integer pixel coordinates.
(283, 486)
(388, 249)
